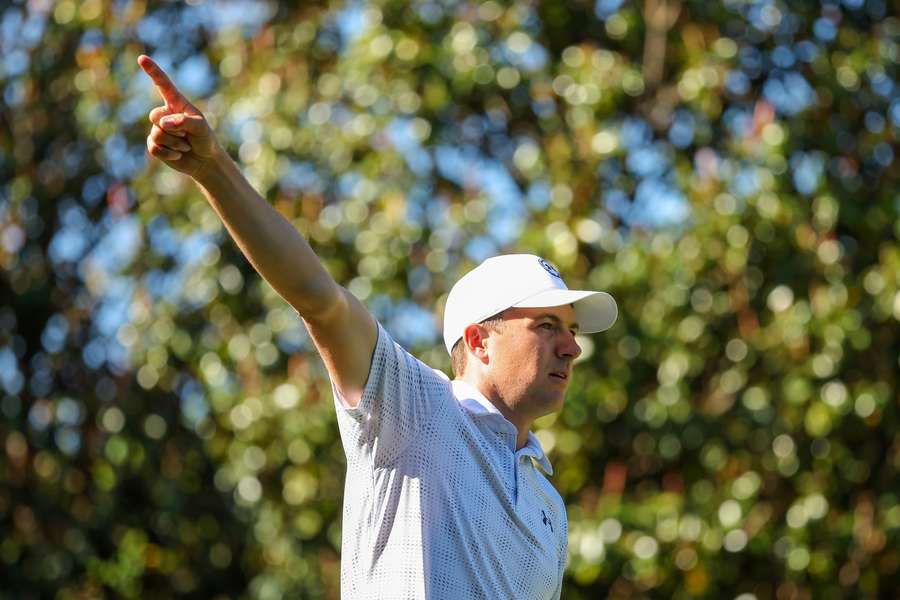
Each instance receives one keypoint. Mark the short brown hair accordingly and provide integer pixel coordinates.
(458, 354)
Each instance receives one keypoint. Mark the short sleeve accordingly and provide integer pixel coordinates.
(400, 395)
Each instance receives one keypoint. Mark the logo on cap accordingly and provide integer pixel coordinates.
(549, 268)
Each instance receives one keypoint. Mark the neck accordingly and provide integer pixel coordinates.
(506, 406)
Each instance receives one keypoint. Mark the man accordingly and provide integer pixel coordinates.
(443, 498)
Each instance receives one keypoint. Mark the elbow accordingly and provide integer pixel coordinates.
(318, 304)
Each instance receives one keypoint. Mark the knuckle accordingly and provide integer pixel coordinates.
(158, 151)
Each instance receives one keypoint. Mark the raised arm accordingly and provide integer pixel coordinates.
(343, 330)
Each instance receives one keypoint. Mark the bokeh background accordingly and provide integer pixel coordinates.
(727, 170)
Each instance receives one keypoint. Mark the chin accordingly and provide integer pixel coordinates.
(558, 405)
(554, 403)
(546, 401)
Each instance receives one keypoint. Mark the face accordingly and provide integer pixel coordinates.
(530, 358)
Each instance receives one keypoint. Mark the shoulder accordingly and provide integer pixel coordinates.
(389, 351)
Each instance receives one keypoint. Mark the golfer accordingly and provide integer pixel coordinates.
(445, 496)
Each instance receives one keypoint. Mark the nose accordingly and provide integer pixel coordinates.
(568, 347)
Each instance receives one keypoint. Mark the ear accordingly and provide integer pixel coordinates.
(474, 337)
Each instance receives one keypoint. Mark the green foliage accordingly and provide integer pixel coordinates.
(726, 170)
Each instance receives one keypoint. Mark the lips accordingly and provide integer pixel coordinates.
(560, 375)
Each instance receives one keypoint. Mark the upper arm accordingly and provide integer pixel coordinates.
(344, 333)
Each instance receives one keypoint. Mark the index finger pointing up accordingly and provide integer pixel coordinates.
(164, 85)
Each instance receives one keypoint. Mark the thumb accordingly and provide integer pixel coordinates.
(184, 123)
(157, 114)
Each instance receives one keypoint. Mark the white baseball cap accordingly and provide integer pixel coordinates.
(521, 281)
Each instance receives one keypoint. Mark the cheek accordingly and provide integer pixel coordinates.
(527, 359)
(516, 361)
(524, 357)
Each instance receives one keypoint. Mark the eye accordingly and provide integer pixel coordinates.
(548, 326)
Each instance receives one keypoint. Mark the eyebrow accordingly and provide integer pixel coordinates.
(556, 320)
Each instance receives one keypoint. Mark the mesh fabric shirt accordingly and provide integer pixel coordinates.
(438, 503)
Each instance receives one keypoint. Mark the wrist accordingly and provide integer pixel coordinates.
(215, 168)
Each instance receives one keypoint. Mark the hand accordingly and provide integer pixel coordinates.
(180, 136)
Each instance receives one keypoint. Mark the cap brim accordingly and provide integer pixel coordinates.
(596, 311)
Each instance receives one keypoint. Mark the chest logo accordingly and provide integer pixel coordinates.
(547, 520)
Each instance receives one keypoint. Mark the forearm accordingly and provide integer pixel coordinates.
(272, 245)
(341, 327)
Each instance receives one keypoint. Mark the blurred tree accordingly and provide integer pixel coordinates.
(726, 170)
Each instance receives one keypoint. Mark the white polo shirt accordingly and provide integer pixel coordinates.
(438, 503)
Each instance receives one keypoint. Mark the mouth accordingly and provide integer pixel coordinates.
(561, 375)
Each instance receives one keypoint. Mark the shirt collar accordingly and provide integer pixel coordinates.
(475, 403)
